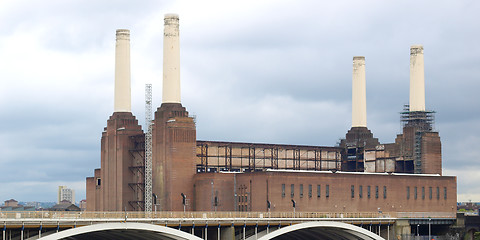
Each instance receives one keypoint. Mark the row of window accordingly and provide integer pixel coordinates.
(360, 191)
(310, 190)
(430, 193)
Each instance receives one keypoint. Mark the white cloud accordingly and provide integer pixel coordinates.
(260, 71)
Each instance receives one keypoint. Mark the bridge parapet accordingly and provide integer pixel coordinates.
(219, 215)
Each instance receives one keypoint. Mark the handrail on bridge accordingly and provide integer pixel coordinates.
(218, 214)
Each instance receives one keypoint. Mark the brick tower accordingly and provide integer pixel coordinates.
(174, 133)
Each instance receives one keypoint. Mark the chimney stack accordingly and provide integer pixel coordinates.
(171, 60)
(359, 98)
(417, 79)
(122, 72)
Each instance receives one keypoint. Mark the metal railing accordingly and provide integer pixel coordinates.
(218, 215)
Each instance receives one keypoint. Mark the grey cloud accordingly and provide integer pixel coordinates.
(276, 74)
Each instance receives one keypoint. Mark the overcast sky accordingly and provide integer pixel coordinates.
(254, 71)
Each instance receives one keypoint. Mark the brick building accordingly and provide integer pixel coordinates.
(358, 175)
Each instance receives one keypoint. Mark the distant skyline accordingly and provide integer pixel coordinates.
(267, 72)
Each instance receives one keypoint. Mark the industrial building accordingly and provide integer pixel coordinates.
(168, 169)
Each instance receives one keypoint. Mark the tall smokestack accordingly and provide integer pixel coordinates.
(359, 98)
(122, 72)
(417, 79)
(171, 60)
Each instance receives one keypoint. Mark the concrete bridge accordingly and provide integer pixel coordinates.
(220, 225)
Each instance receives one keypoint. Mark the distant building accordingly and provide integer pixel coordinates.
(83, 205)
(66, 194)
(11, 203)
(65, 206)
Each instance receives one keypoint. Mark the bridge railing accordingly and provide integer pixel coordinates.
(200, 215)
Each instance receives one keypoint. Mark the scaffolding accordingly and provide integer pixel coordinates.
(423, 121)
(137, 170)
(148, 148)
(419, 122)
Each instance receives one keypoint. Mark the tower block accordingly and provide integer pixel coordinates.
(174, 133)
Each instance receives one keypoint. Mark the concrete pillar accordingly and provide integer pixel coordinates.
(417, 79)
(402, 227)
(227, 233)
(122, 72)
(171, 60)
(359, 96)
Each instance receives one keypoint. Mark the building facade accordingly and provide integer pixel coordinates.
(65, 194)
(359, 175)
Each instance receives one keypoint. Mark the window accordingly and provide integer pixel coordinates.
(408, 192)
(310, 190)
(318, 190)
(301, 190)
(360, 191)
(283, 190)
(384, 192)
(99, 181)
(353, 191)
(445, 193)
(415, 193)
(430, 192)
(376, 191)
(423, 192)
(292, 190)
(438, 193)
(327, 191)
(368, 191)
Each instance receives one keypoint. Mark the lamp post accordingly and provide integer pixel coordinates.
(418, 232)
(293, 204)
(155, 201)
(184, 197)
(429, 229)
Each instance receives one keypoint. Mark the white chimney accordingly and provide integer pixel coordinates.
(122, 72)
(417, 79)
(171, 60)
(359, 97)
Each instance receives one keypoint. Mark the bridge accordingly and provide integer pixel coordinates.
(220, 225)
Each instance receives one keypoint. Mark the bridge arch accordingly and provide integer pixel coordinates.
(121, 231)
(322, 230)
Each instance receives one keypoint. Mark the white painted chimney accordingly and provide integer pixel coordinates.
(122, 72)
(417, 79)
(359, 97)
(171, 60)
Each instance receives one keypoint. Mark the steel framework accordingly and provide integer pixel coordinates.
(148, 148)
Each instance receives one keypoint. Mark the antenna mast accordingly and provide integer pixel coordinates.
(148, 148)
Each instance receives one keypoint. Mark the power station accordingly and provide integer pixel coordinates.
(168, 169)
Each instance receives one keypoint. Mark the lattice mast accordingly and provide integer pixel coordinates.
(148, 148)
